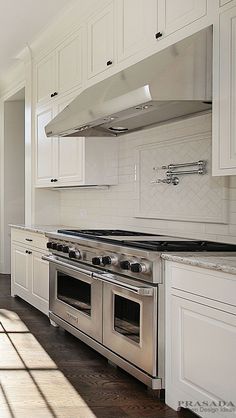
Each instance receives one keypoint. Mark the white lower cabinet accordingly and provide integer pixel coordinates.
(200, 341)
(29, 273)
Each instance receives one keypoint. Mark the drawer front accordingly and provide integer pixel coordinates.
(210, 284)
(29, 239)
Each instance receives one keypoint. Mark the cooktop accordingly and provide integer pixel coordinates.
(146, 241)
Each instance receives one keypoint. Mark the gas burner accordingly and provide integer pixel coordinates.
(102, 233)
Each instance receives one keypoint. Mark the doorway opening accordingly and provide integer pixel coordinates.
(14, 168)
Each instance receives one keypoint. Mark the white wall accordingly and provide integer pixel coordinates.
(14, 171)
(116, 207)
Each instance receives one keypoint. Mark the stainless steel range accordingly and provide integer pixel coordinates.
(106, 288)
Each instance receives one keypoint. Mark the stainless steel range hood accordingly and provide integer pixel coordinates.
(170, 84)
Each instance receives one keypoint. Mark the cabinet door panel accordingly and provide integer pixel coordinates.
(100, 41)
(203, 344)
(45, 78)
(40, 278)
(70, 167)
(137, 25)
(20, 267)
(69, 63)
(44, 149)
(70, 160)
(174, 15)
(227, 90)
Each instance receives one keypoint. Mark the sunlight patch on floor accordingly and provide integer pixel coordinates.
(31, 386)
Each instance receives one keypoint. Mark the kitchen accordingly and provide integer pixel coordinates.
(133, 209)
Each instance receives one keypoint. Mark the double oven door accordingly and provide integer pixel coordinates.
(119, 313)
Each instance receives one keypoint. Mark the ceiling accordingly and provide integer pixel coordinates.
(21, 21)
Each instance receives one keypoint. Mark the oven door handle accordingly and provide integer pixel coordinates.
(143, 291)
(54, 260)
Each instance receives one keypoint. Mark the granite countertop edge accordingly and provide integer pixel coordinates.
(222, 262)
(40, 229)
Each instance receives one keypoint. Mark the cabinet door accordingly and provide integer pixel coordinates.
(46, 82)
(174, 15)
(202, 349)
(20, 271)
(40, 282)
(45, 149)
(224, 121)
(136, 26)
(101, 41)
(69, 63)
(70, 162)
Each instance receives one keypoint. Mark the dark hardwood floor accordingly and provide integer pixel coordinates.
(74, 372)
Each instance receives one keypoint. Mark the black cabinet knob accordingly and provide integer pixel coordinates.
(49, 244)
(109, 63)
(54, 94)
(59, 247)
(96, 261)
(125, 265)
(158, 35)
(54, 246)
(65, 249)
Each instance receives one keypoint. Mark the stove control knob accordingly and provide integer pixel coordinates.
(49, 244)
(65, 249)
(54, 246)
(125, 265)
(96, 261)
(109, 260)
(59, 247)
(74, 254)
(138, 268)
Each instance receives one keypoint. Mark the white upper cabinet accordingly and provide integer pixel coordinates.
(70, 161)
(174, 15)
(69, 63)
(45, 79)
(224, 121)
(101, 41)
(136, 26)
(62, 162)
(44, 148)
(61, 71)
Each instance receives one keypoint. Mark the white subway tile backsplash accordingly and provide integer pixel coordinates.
(116, 206)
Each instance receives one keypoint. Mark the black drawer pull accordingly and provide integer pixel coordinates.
(158, 35)
(109, 62)
(54, 94)
(28, 239)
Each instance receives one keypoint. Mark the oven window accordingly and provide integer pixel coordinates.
(127, 318)
(74, 292)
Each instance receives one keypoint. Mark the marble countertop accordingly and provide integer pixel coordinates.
(41, 229)
(225, 262)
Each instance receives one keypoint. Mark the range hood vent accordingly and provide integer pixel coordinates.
(172, 83)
